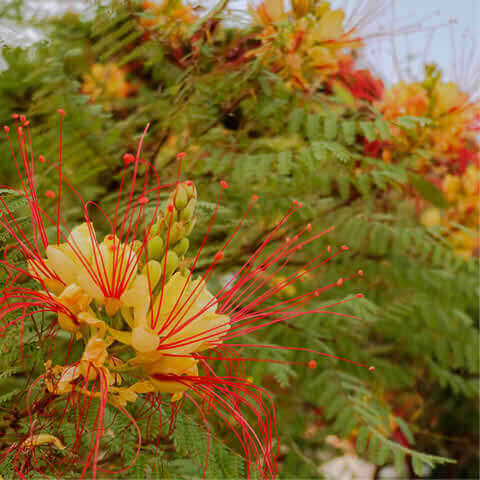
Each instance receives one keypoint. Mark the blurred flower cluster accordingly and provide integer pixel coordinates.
(306, 45)
(447, 130)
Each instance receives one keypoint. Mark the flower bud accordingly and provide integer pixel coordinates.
(171, 213)
(181, 198)
(172, 263)
(191, 190)
(300, 7)
(160, 224)
(155, 248)
(153, 271)
(189, 226)
(187, 213)
(177, 232)
(182, 247)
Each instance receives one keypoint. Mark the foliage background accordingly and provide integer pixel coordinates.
(240, 120)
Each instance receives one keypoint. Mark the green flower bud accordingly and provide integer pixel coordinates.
(172, 263)
(153, 271)
(170, 213)
(191, 190)
(177, 232)
(159, 224)
(155, 248)
(181, 198)
(182, 247)
(189, 226)
(187, 213)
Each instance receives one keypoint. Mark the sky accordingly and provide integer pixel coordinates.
(447, 33)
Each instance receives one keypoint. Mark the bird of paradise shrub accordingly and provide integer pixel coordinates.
(143, 326)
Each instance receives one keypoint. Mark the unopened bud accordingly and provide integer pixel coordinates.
(181, 198)
(182, 247)
(187, 213)
(189, 226)
(191, 190)
(171, 214)
(172, 263)
(177, 232)
(153, 271)
(155, 248)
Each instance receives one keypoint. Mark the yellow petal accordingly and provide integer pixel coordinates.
(65, 268)
(144, 340)
(121, 336)
(88, 285)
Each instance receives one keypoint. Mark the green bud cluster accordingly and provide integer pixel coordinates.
(179, 217)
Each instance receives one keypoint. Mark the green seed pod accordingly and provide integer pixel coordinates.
(153, 271)
(181, 198)
(172, 263)
(182, 247)
(155, 248)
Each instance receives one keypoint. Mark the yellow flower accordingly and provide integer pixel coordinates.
(431, 217)
(269, 11)
(451, 186)
(107, 81)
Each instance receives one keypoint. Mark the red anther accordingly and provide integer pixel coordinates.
(295, 202)
(300, 204)
(371, 368)
(143, 200)
(41, 159)
(312, 364)
(128, 158)
(309, 227)
(224, 184)
(329, 248)
(180, 155)
(359, 295)
(50, 194)
(360, 273)
(15, 116)
(170, 207)
(61, 112)
(344, 247)
(254, 198)
(22, 118)
(189, 183)
(219, 256)
(6, 128)
(27, 123)
(339, 282)
(316, 293)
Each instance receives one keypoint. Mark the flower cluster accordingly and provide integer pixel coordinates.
(141, 322)
(305, 46)
(107, 82)
(447, 129)
(171, 19)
